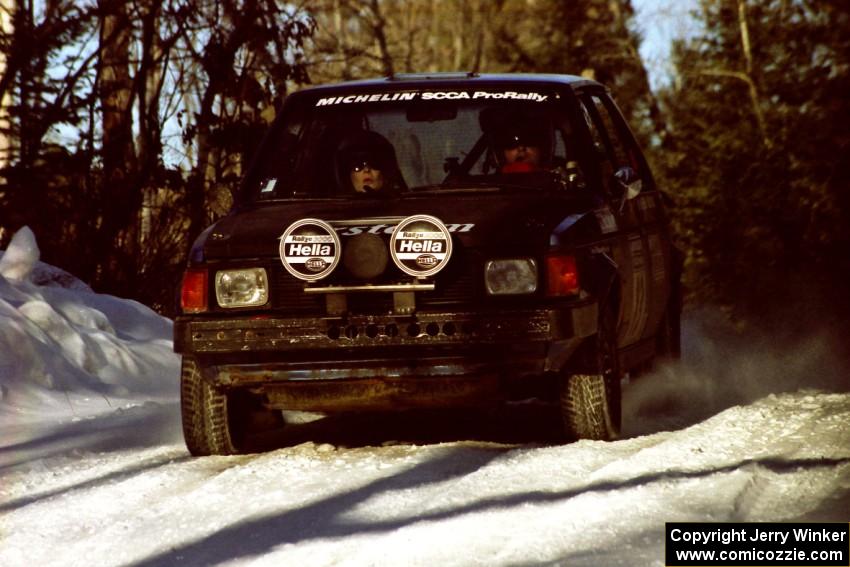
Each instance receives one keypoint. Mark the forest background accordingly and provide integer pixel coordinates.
(125, 126)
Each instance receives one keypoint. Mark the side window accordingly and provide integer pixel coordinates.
(566, 159)
(622, 148)
(617, 147)
(602, 161)
(595, 134)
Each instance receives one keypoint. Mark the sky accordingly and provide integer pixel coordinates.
(660, 22)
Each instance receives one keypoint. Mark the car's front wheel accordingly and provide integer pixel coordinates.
(216, 422)
(590, 397)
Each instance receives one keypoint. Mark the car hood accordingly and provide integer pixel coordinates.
(493, 220)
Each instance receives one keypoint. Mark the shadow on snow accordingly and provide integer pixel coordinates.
(257, 536)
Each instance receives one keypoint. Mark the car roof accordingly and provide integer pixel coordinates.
(405, 81)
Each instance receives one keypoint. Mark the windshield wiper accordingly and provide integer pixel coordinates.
(455, 187)
(460, 186)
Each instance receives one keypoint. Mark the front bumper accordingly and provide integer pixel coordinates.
(265, 334)
(325, 363)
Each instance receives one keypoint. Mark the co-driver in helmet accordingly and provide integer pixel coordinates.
(521, 148)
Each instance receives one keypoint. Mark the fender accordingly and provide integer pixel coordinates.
(607, 280)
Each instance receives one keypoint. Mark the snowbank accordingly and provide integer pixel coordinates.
(58, 338)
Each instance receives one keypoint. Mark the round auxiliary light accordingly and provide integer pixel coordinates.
(365, 256)
(310, 249)
(421, 245)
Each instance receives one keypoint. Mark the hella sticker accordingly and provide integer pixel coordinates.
(421, 245)
(309, 249)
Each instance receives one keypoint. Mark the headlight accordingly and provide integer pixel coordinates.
(511, 277)
(241, 288)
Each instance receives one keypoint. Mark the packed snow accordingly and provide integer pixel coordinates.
(93, 470)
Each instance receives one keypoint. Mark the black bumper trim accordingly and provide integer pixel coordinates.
(202, 337)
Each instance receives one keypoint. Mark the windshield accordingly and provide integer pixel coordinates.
(399, 142)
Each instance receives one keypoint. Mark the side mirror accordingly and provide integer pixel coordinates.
(628, 183)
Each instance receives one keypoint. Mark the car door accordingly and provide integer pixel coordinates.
(642, 259)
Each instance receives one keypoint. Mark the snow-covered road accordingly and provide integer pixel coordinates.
(120, 489)
(93, 470)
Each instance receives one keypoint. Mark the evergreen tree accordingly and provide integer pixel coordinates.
(592, 38)
(759, 110)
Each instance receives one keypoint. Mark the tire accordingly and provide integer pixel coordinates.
(216, 422)
(590, 400)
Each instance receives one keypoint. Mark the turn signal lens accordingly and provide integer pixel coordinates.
(193, 293)
(561, 275)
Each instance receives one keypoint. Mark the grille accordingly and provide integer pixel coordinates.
(459, 284)
(287, 293)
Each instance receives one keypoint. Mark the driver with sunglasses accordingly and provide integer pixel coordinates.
(367, 164)
(366, 175)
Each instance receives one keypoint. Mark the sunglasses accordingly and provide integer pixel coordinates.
(364, 164)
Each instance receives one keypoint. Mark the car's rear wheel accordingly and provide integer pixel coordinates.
(216, 422)
(590, 398)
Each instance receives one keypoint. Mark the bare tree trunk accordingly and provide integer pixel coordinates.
(434, 37)
(116, 91)
(7, 12)
(755, 98)
(149, 85)
(379, 29)
(24, 24)
(218, 62)
(340, 27)
(120, 198)
(459, 34)
(197, 187)
(410, 22)
(480, 23)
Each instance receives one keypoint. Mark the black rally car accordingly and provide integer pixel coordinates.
(430, 241)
